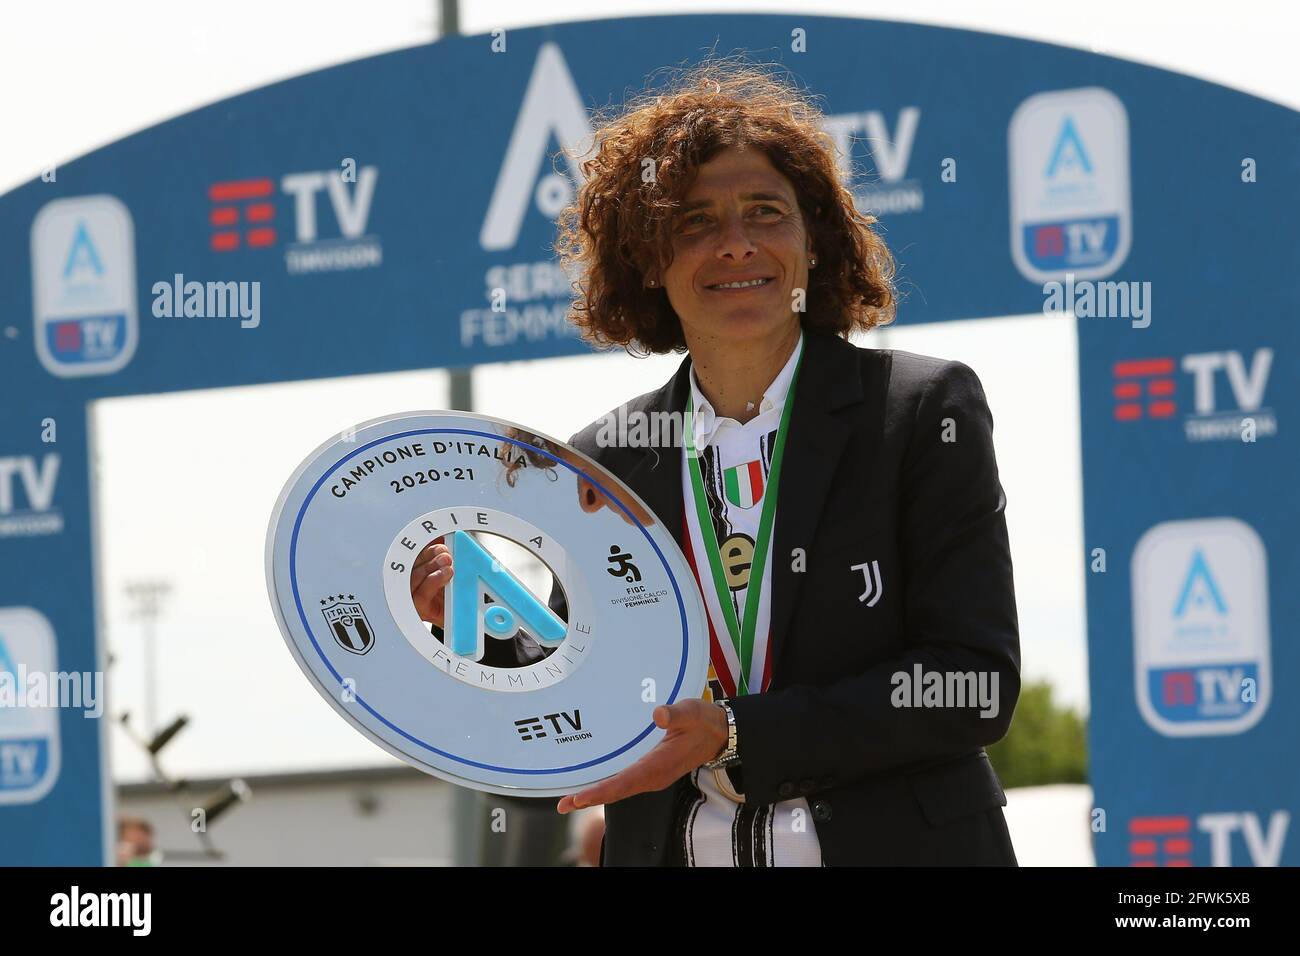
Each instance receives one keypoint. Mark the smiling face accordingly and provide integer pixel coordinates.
(740, 249)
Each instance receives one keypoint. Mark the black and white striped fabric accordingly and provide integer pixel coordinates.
(713, 825)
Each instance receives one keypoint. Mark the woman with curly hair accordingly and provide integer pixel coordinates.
(840, 506)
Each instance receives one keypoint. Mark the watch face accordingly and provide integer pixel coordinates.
(570, 613)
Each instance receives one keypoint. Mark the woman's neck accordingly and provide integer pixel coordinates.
(734, 377)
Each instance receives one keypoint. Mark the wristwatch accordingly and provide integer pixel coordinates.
(730, 755)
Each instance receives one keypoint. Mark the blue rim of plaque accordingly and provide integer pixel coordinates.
(297, 600)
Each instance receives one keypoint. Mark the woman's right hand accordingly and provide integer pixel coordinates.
(429, 577)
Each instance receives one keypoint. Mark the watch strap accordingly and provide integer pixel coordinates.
(730, 755)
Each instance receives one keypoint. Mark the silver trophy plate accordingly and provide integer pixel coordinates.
(513, 693)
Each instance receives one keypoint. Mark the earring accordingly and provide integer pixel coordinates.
(651, 283)
(812, 263)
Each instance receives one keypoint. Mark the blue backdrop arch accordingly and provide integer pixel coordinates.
(378, 203)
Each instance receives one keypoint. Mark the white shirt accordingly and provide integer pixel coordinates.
(720, 828)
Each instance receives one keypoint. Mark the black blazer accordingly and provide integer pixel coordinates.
(889, 459)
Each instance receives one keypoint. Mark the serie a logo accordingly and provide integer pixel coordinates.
(469, 621)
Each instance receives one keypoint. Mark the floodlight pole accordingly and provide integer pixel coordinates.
(147, 597)
(467, 807)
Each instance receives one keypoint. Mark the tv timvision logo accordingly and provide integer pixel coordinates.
(1147, 388)
(27, 488)
(532, 728)
(1069, 172)
(1200, 627)
(1171, 841)
(244, 215)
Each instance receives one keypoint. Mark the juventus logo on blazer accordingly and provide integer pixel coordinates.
(875, 583)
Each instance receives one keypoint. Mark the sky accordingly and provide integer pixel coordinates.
(83, 74)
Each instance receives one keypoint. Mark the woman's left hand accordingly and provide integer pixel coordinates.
(697, 732)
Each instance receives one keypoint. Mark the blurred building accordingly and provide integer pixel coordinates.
(385, 816)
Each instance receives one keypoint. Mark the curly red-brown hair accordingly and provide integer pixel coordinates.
(619, 226)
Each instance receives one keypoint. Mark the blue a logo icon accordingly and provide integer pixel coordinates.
(1199, 588)
(82, 255)
(469, 621)
(1069, 152)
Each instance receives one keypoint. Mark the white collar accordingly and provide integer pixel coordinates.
(707, 420)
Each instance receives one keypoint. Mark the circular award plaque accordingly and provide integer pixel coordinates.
(570, 615)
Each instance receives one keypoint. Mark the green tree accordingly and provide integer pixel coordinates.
(1046, 742)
